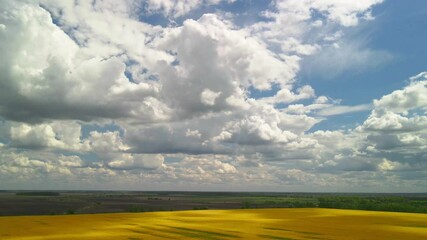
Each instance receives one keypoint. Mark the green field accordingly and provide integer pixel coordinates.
(13, 203)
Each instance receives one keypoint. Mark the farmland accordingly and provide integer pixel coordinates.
(301, 223)
(14, 203)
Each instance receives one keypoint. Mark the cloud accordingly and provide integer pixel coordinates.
(341, 109)
(255, 130)
(396, 141)
(400, 109)
(212, 55)
(285, 95)
(396, 126)
(92, 95)
(56, 82)
(314, 31)
(365, 147)
(347, 57)
(176, 9)
(104, 142)
(344, 13)
(392, 122)
(412, 96)
(144, 161)
(292, 45)
(300, 18)
(61, 135)
(208, 97)
(173, 8)
(72, 161)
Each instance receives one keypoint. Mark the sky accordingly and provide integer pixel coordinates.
(213, 95)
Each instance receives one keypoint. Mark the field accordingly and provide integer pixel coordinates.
(13, 203)
(296, 223)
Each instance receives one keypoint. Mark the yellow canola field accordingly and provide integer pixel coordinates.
(221, 224)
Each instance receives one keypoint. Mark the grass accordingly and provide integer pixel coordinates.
(301, 223)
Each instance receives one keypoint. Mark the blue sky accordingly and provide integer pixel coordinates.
(281, 95)
(397, 31)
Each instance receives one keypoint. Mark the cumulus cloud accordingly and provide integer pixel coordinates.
(175, 8)
(106, 142)
(92, 93)
(344, 13)
(314, 30)
(411, 97)
(56, 82)
(61, 135)
(285, 95)
(390, 121)
(393, 111)
(145, 161)
(214, 61)
(208, 97)
(255, 130)
(396, 125)
(72, 161)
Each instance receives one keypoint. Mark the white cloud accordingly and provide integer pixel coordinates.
(105, 142)
(62, 135)
(314, 29)
(396, 126)
(412, 96)
(208, 97)
(176, 8)
(342, 12)
(293, 45)
(212, 55)
(341, 109)
(285, 95)
(193, 133)
(109, 99)
(390, 121)
(346, 56)
(256, 130)
(173, 8)
(393, 111)
(144, 161)
(58, 81)
(70, 161)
